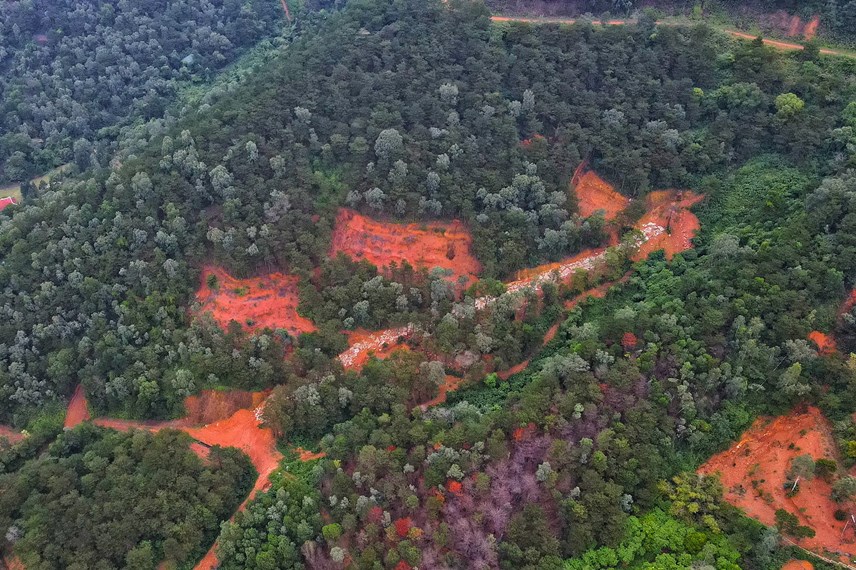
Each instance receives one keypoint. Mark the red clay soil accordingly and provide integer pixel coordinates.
(669, 209)
(551, 333)
(306, 455)
(380, 344)
(825, 342)
(215, 405)
(268, 301)
(78, 409)
(12, 562)
(450, 384)
(762, 458)
(798, 565)
(422, 245)
(594, 193)
(11, 434)
(509, 372)
(848, 304)
(243, 430)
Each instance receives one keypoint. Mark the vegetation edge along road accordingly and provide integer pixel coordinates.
(777, 44)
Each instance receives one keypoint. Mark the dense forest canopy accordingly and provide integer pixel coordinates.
(836, 18)
(413, 111)
(72, 73)
(408, 110)
(100, 499)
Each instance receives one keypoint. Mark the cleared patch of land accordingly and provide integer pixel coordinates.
(78, 408)
(422, 245)
(257, 302)
(754, 473)
(596, 194)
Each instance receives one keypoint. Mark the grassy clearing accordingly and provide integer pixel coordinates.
(14, 190)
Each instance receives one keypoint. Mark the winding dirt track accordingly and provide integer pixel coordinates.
(777, 44)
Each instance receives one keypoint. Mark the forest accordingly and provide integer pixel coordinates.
(451, 452)
(73, 74)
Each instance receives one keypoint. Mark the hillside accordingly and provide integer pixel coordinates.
(468, 294)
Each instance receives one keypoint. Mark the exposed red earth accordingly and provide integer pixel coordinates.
(848, 304)
(242, 430)
(594, 193)
(235, 418)
(422, 245)
(825, 342)
(306, 455)
(669, 209)
(11, 434)
(798, 565)
(12, 562)
(753, 474)
(255, 303)
(787, 46)
(78, 408)
(364, 344)
(450, 384)
(213, 405)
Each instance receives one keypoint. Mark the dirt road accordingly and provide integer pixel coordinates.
(781, 45)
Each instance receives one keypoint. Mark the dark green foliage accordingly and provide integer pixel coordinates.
(72, 72)
(789, 524)
(272, 531)
(100, 498)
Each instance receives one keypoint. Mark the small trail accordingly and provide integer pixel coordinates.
(777, 44)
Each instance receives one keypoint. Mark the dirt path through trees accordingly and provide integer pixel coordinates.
(777, 44)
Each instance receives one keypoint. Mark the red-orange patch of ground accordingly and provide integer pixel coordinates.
(798, 565)
(551, 333)
(509, 372)
(306, 455)
(380, 344)
(848, 303)
(565, 269)
(422, 245)
(11, 435)
(825, 343)
(78, 408)
(243, 430)
(214, 405)
(669, 210)
(594, 193)
(763, 456)
(12, 562)
(255, 303)
(450, 384)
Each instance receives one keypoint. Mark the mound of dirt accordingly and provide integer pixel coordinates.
(255, 303)
(422, 245)
(594, 193)
(754, 472)
(78, 409)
